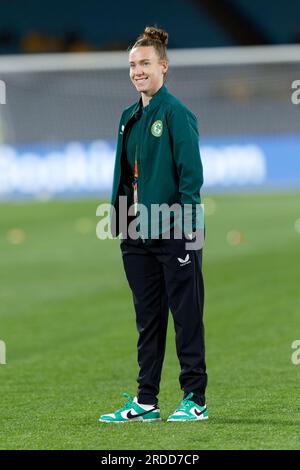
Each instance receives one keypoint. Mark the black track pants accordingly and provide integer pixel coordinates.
(165, 275)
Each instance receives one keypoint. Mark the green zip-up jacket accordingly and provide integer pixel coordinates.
(169, 164)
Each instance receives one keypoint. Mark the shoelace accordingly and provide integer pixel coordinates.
(185, 403)
(128, 402)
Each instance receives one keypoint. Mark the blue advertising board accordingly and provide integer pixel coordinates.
(86, 168)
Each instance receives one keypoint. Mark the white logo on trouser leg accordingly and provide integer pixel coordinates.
(184, 261)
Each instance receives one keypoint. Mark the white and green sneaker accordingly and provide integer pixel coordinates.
(188, 410)
(132, 411)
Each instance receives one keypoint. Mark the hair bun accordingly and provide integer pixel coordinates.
(156, 34)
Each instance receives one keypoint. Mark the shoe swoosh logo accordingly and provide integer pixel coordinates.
(199, 413)
(131, 416)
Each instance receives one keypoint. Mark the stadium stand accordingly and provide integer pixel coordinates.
(273, 17)
(92, 25)
(105, 26)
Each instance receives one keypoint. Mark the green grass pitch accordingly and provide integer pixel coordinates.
(67, 319)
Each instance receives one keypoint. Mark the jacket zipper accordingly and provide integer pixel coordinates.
(122, 148)
(135, 181)
(140, 147)
(137, 155)
(139, 161)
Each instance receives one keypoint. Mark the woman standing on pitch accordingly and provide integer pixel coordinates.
(158, 162)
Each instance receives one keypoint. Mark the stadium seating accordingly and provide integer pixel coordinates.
(273, 17)
(113, 23)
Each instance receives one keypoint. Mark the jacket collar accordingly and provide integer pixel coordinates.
(153, 103)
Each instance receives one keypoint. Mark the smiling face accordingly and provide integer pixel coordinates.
(146, 70)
